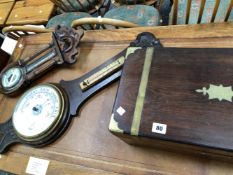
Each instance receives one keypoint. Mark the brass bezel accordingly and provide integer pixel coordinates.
(17, 85)
(53, 126)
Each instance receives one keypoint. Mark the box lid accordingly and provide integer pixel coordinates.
(177, 94)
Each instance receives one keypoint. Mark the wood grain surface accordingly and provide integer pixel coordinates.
(87, 142)
(5, 9)
(30, 12)
(2, 1)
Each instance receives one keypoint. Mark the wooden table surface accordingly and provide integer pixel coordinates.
(5, 9)
(30, 12)
(87, 147)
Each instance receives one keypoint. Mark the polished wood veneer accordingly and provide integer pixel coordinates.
(183, 92)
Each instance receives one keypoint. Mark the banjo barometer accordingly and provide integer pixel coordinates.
(43, 112)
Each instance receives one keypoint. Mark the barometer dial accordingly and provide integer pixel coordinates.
(11, 77)
(38, 111)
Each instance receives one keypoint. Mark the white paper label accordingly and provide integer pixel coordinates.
(120, 111)
(37, 166)
(159, 128)
(8, 45)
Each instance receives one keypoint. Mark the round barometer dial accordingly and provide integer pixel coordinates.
(11, 77)
(38, 112)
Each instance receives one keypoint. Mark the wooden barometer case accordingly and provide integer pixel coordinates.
(62, 50)
(43, 112)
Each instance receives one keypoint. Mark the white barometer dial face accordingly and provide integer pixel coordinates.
(11, 77)
(37, 111)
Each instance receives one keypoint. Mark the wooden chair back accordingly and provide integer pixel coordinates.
(101, 23)
(15, 32)
(65, 19)
(133, 2)
(89, 6)
(200, 11)
(141, 15)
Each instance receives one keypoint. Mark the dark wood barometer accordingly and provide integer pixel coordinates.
(43, 112)
(62, 50)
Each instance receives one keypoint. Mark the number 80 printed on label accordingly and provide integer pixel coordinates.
(159, 128)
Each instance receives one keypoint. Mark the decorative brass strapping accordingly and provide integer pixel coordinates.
(131, 50)
(141, 92)
(113, 126)
(217, 92)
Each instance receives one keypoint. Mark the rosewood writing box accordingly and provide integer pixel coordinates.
(176, 98)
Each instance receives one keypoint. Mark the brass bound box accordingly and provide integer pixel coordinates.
(176, 98)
